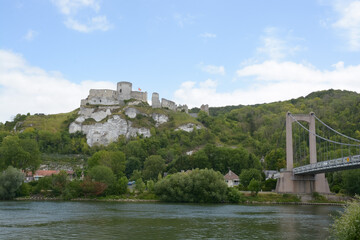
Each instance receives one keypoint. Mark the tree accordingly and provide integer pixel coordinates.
(114, 160)
(199, 185)
(351, 181)
(347, 226)
(140, 185)
(10, 180)
(248, 174)
(153, 165)
(254, 186)
(102, 174)
(275, 159)
(19, 153)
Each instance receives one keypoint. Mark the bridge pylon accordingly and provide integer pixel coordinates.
(290, 183)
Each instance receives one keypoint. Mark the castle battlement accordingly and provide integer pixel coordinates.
(123, 92)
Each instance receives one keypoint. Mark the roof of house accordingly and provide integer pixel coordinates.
(46, 173)
(231, 176)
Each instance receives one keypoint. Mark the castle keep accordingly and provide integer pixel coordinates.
(123, 92)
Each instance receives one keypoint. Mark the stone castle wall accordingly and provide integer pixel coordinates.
(142, 96)
(124, 90)
(101, 97)
(155, 102)
(168, 104)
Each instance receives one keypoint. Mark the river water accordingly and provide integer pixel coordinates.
(118, 220)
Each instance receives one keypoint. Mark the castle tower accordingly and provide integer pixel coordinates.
(124, 90)
(155, 102)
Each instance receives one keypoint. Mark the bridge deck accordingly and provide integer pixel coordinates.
(337, 164)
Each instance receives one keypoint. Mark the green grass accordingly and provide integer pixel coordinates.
(52, 122)
(270, 197)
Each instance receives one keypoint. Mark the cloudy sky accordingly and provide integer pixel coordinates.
(217, 52)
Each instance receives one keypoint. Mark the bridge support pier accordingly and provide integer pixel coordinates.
(290, 183)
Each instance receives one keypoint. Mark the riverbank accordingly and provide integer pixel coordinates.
(246, 199)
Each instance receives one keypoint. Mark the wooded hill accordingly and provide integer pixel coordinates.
(234, 137)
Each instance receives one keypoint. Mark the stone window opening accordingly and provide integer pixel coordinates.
(120, 90)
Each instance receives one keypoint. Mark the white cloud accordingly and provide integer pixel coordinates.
(30, 35)
(183, 20)
(96, 23)
(25, 88)
(208, 35)
(212, 69)
(71, 10)
(271, 81)
(69, 7)
(349, 22)
(274, 47)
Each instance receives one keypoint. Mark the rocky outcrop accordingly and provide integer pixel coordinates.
(107, 132)
(188, 127)
(159, 118)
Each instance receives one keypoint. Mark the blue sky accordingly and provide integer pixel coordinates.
(217, 52)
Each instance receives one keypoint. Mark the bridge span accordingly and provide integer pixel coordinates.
(311, 177)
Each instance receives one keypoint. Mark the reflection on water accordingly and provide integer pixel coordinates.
(114, 220)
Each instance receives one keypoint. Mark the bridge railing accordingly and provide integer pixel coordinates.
(326, 165)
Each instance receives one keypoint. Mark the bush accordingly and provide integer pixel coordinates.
(347, 226)
(270, 184)
(254, 186)
(233, 195)
(10, 180)
(203, 186)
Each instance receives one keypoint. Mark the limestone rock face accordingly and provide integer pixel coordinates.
(131, 112)
(188, 127)
(107, 132)
(91, 113)
(159, 118)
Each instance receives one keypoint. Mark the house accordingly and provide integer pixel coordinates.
(231, 179)
(270, 174)
(45, 173)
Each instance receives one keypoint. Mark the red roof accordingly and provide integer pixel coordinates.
(231, 176)
(45, 173)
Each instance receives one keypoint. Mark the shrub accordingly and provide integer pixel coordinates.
(347, 226)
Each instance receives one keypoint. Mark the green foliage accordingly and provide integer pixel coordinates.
(153, 165)
(254, 186)
(351, 181)
(102, 174)
(347, 226)
(140, 185)
(150, 185)
(275, 160)
(114, 160)
(10, 181)
(196, 186)
(247, 175)
(233, 195)
(19, 153)
(92, 188)
(270, 184)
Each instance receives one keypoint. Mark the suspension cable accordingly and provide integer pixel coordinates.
(345, 144)
(356, 140)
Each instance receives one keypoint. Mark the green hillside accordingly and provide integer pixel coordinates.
(234, 137)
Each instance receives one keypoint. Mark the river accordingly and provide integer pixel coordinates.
(119, 220)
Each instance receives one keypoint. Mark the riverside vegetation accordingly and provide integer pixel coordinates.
(232, 137)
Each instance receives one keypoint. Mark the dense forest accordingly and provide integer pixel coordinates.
(240, 138)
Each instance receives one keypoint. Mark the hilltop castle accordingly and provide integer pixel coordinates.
(123, 92)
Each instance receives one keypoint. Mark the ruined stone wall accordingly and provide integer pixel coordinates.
(205, 108)
(101, 97)
(124, 90)
(183, 108)
(155, 102)
(142, 96)
(168, 104)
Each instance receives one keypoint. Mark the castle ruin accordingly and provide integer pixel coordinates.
(124, 92)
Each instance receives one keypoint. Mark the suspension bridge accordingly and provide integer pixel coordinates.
(311, 151)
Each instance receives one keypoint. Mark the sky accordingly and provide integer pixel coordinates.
(52, 52)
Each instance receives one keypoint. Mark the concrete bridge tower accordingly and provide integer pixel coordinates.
(290, 183)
